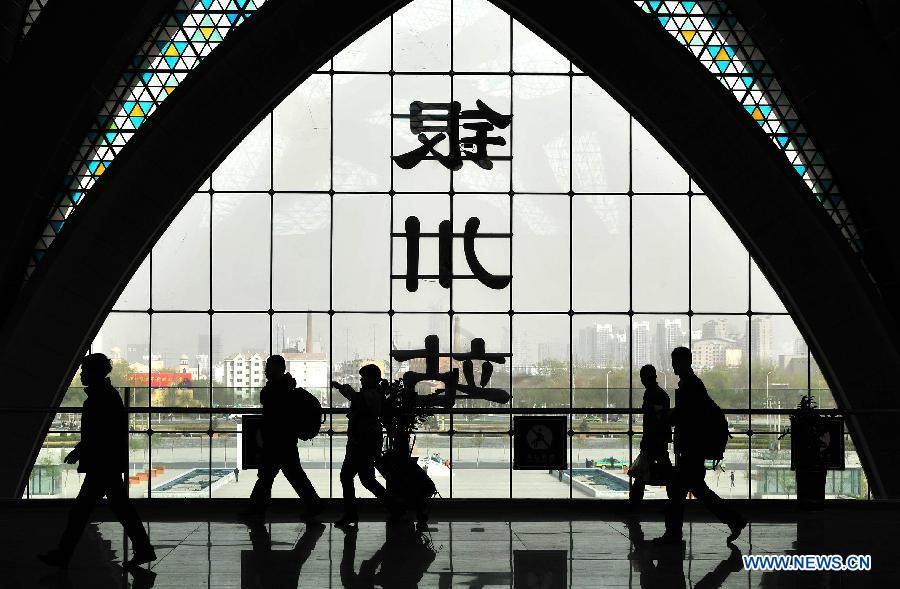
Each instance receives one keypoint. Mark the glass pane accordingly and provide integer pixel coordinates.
(771, 477)
(428, 175)
(540, 361)
(362, 135)
(301, 248)
(719, 350)
(358, 339)
(533, 54)
(51, 477)
(736, 461)
(181, 259)
(652, 168)
(240, 347)
(763, 298)
(136, 295)
(303, 339)
(494, 330)
(429, 295)
(819, 386)
(302, 137)
(599, 140)
(551, 484)
(180, 349)
(653, 338)
(719, 270)
(779, 362)
(361, 252)
(494, 92)
(480, 37)
(139, 475)
(601, 360)
(241, 233)
(541, 253)
(541, 144)
(409, 331)
(660, 252)
(125, 339)
(422, 36)
(179, 466)
(371, 52)
(481, 465)
(599, 469)
(600, 253)
(493, 214)
(249, 166)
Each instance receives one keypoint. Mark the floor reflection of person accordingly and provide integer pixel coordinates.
(400, 563)
(662, 565)
(102, 455)
(265, 568)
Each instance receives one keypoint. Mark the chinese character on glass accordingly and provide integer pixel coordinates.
(442, 119)
(452, 390)
(445, 237)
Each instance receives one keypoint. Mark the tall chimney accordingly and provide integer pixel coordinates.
(309, 333)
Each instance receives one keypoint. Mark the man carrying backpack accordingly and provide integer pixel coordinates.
(279, 448)
(696, 419)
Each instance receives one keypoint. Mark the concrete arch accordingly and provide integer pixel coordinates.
(765, 202)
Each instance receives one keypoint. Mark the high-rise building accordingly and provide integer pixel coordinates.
(715, 329)
(640, 341)
(669, 335)
(761, 339)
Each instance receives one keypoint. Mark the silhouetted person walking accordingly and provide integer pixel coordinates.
(102, 455)
(657, 432)
(364, 439)
(693, 428)
(279, 435)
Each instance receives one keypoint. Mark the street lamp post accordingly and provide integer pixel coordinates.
(768, 422)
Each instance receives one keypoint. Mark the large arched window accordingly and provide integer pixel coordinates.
(298, 244)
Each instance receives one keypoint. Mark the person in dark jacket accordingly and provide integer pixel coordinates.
(364, 439)
(279, 448)
(692, 427)
(657, 431)
(102, 455)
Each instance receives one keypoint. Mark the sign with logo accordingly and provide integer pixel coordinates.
(539, 442)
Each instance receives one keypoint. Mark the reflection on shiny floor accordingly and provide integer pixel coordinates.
(593, 552)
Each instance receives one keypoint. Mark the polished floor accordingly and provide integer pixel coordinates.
(477, 546)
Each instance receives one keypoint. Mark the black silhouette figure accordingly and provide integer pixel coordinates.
(400, 563)
(102, 455)
(662, 565)
(279, 448)
(364, 439)
(264, 568)
(691, 418)
(656, 437)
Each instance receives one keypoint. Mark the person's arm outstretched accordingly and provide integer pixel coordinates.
(345, 389)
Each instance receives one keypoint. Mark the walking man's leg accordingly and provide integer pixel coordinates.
(348, 472)
(123, 509)
(676, 492)
(296, 476)
(91, 492)
(262, 490)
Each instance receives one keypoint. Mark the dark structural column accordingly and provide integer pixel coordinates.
(632, 57)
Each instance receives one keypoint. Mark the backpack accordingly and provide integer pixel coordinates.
(716, 438)
(309, 416)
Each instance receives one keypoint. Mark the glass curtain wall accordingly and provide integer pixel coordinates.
(298, 244)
